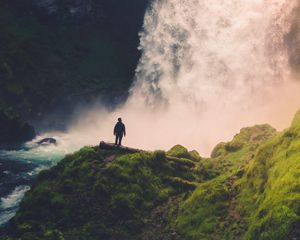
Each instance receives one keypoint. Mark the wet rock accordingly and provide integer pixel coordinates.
(13, 130)
(47, 141)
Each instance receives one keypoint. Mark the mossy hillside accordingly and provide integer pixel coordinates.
(270, 190)
(237, 153)
(245, 192)
(182, 152)
(296, 121)
(102, 194)
(211, 211)
(201, 213)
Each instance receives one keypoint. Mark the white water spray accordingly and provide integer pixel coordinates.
(207, 69)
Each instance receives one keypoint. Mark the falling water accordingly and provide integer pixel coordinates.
(198, 52)
(208, 68)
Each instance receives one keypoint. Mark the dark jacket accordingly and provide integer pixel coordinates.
(119, 129)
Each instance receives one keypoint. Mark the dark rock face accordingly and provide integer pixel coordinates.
(58, 54)
(76, 8)
(13, 130)
(81, 8)
(49, 5)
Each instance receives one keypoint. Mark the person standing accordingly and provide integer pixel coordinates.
(119, 131)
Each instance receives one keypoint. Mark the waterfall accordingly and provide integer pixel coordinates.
(207, 69)
(197, 51)
(210, 68)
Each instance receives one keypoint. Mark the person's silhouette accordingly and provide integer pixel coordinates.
(119, 131)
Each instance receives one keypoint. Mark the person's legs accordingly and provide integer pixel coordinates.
(120, 139)
(117, 139)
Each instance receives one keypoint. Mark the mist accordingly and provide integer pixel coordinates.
(206, 70)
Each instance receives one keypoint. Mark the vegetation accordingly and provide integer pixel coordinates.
(101, 194)
(255, 194)
(211, 211)
(249, 189)
(270, 189)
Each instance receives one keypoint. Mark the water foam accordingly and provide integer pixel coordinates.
(10, 203)
(25, 164)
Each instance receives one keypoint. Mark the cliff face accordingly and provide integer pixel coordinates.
(14, 130)
(248, 189)
(64, 9)
(55, 54)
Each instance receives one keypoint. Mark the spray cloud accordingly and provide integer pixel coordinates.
(207, 69)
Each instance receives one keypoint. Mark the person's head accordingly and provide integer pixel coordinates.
(119, 119)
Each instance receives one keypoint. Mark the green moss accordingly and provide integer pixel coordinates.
(194, 155)
(211, 212)
(159, 156)
(180, 184)
(201, 213)
(119, 194)
(296, 120)
(181, 152)
(182, 162)
(236, 154)
(178, 151)
(270, 193)
(218, 150)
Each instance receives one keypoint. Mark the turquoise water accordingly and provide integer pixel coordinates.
(18, 169)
